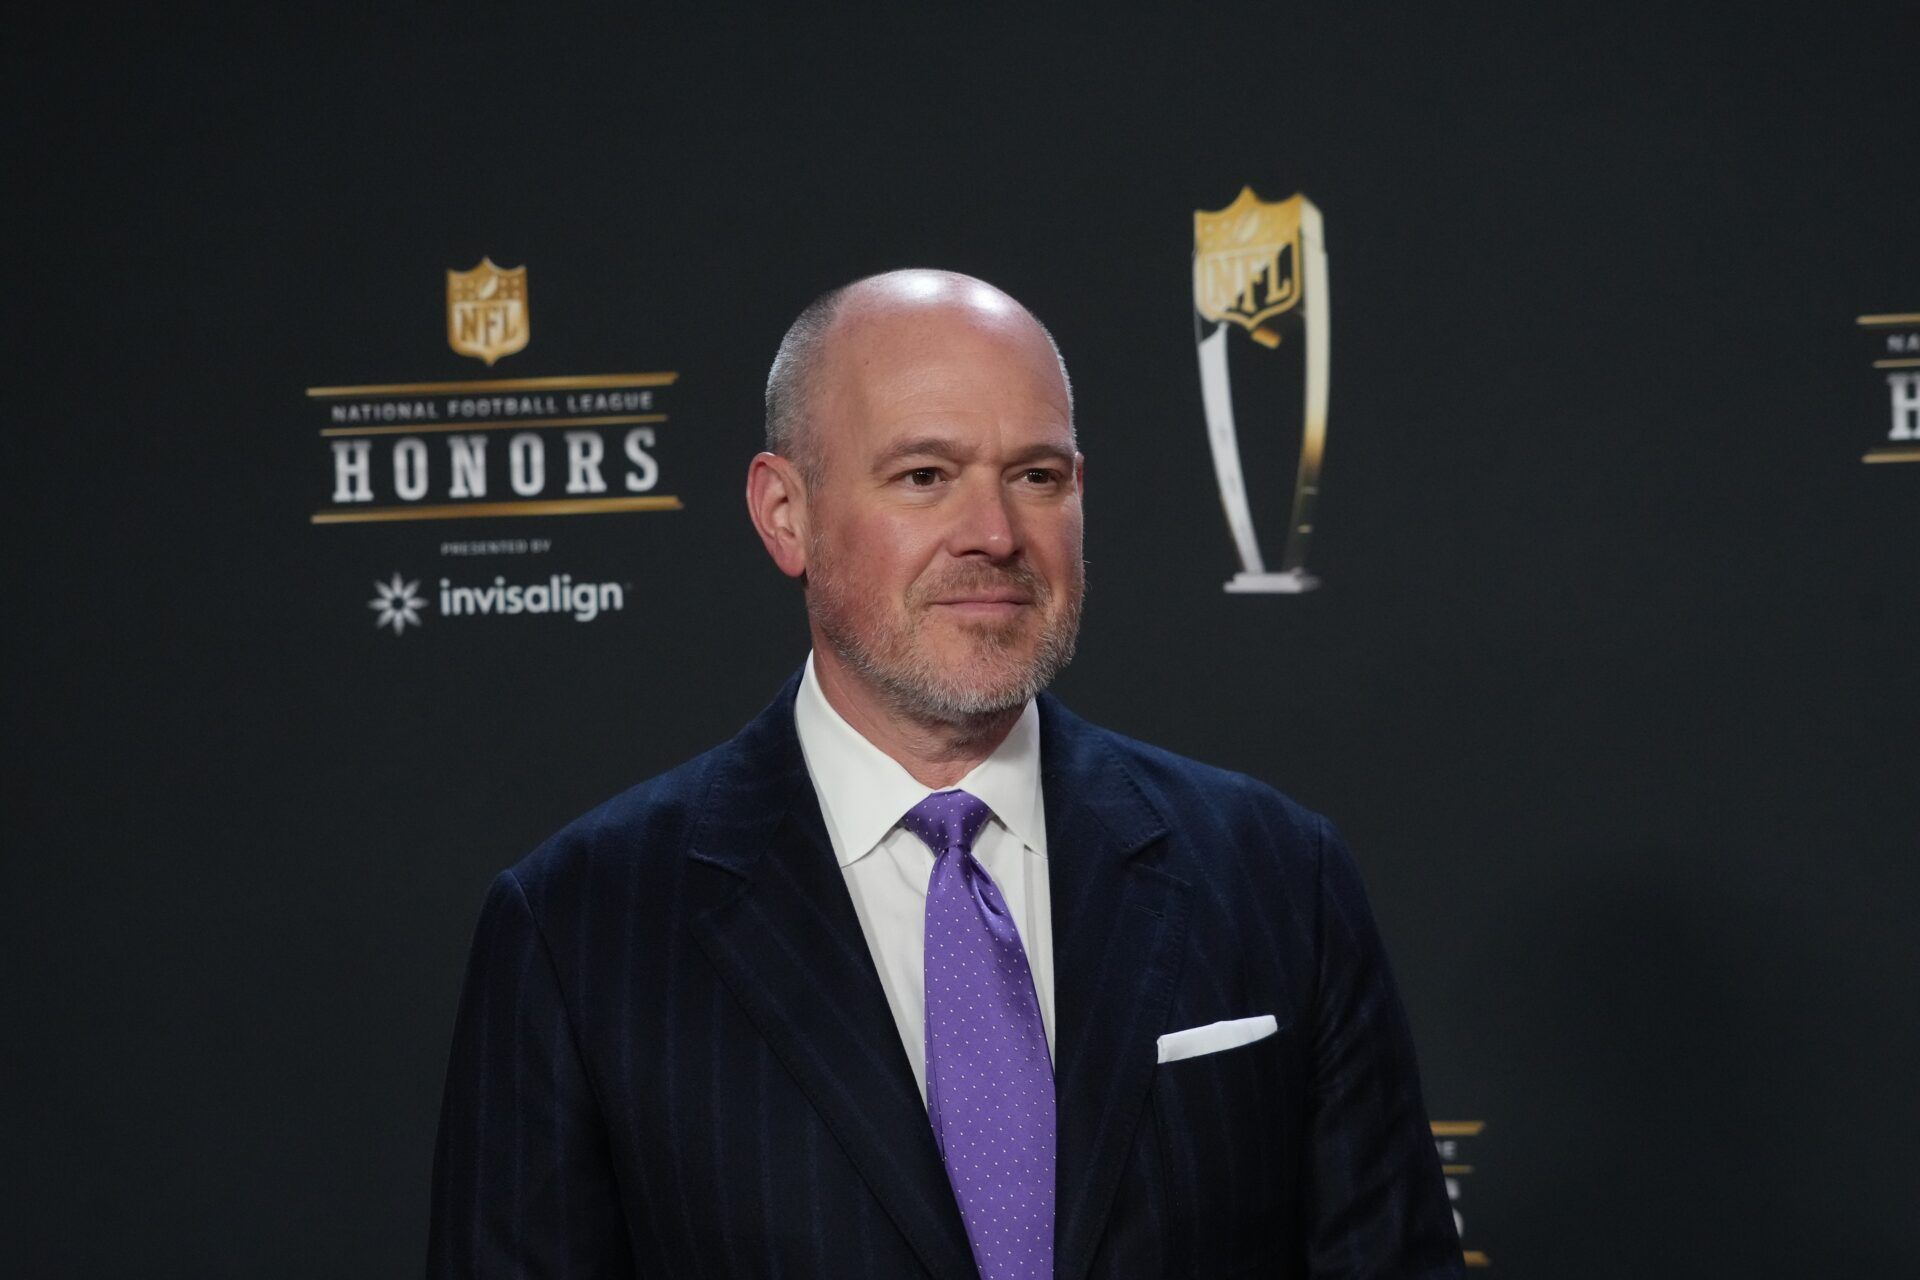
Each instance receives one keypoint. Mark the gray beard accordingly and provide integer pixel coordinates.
(915, 684)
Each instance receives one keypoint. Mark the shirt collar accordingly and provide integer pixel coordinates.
(864, 792)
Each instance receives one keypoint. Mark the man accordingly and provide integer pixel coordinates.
(921, 975)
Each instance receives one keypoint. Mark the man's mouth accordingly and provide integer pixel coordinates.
(991, 605)
(987, 598)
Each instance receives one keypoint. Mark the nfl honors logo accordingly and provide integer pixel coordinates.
(487, 311)
(478, 448)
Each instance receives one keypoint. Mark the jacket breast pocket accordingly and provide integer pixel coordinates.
(1215, 1037)
(1229, 1120)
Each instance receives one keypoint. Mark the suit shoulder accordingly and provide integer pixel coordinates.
(642, 825)
(1191, 791)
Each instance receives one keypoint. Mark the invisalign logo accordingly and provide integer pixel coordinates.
(559, 594)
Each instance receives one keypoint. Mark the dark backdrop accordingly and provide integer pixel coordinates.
(1611, 682)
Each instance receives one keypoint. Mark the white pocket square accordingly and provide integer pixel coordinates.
(1216, 1036)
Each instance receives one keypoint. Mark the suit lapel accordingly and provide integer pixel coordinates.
(789, 947)
(1119, 924)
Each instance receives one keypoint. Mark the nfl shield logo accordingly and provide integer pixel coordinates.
(487, 311)
(1246, 260)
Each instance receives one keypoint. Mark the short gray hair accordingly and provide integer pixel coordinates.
(797, 365)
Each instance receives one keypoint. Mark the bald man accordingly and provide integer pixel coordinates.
(920, 974)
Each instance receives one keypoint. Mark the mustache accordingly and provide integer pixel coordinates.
(961, 581)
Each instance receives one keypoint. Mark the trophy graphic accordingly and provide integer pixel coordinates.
(1254, 262)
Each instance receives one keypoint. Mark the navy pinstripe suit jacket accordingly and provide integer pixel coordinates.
(673, 1056)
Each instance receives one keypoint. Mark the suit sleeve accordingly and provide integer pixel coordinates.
(1378, 1206)
(522, 1179)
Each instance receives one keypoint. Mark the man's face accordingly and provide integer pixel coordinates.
(944, 525)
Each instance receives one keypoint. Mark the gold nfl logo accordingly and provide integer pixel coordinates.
(487, 311)
(1246, 259)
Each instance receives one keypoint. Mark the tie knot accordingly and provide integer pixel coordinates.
(948, 820)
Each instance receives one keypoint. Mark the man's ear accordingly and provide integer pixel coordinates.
(777, 502)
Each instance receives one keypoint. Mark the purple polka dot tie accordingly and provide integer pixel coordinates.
(989, 1080)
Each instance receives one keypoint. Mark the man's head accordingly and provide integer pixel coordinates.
(921, 475)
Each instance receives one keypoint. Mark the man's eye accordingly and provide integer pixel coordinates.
(1041, 475)
(922, 477)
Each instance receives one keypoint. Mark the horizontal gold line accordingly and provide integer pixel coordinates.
(1909, 453)
(422, 428)
(1457, 1128)
(1898, 364)
(1475, 1258)
(570, 382)
(1891, 317)
(477, 510)
(1458, 1170)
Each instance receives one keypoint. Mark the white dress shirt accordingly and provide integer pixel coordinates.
(864, 793)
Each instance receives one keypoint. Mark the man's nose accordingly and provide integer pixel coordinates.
(984, 521)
